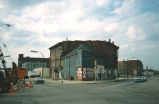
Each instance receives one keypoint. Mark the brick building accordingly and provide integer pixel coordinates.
(31, 63)
(106, 49)
(130, 67)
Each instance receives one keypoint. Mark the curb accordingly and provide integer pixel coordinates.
(67, 83)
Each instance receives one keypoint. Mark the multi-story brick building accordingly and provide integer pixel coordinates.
(130, 67)
(122, 68)
(31, 63)
(107, 49)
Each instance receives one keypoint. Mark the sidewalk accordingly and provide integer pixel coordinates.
(51, 81)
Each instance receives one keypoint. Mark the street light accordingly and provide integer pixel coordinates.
(42, 56)
(6, 25)
(127, 64)
(37, 52)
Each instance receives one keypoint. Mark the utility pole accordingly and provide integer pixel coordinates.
(61, 70)
(95, 67)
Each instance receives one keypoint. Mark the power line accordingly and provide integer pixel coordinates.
(5, 46)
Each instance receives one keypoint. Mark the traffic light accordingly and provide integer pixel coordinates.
(95, 64)
(61, 66)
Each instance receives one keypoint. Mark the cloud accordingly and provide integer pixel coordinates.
(135, 33)
(117, 3)
(133, 49)
(128, 8)
(124, 46)
(102, 2)
(111, 27)
(1, 6)
(18, 4)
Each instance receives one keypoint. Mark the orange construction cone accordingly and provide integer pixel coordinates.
(11, 93)
(30, 84)
(11, 90)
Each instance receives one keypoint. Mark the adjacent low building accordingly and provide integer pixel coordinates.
(79, 57)
(130, 67)
(31, 63)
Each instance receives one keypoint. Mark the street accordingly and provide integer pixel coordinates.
(126, 92)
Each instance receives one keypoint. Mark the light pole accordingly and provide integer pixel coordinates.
(42, 56)
(128, 63)
(5, 25)
(95, 67)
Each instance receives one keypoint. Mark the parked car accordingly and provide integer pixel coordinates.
(26, 77)
(140, 78)
(39, 80)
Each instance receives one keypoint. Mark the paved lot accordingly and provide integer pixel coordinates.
(102, 93)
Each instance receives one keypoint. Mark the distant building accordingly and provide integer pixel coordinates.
(130, 67)
(150, 72)
(31, 63)
(122, 68)
(82, 54)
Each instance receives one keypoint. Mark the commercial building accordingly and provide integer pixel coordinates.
(130, 67)
(31, 63)
(79, 56)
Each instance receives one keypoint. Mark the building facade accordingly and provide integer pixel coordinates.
(122, 68)
(106, 54)
(82, 58)
(130, 67)
(31, 63)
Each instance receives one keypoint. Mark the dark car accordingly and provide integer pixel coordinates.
(26, 77)
(39, 80)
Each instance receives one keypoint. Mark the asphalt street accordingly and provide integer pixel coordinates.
(127, 92)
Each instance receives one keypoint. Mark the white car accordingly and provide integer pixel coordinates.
(140, 79)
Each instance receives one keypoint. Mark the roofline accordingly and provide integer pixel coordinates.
(59, 43)
(129, 60)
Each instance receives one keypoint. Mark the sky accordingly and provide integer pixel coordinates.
(39, 24)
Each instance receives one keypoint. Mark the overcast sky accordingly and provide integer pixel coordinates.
(39, 24)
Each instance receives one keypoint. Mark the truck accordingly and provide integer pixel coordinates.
(33, 74)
